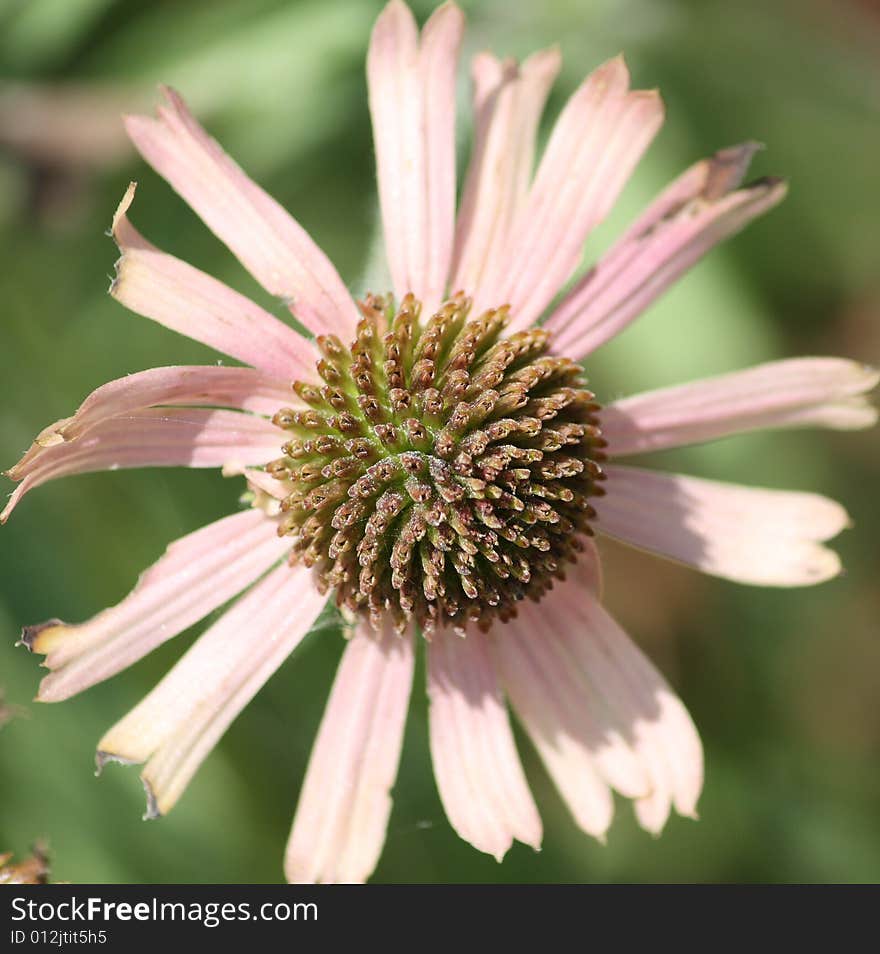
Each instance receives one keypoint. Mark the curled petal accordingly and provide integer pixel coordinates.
(197, 574)
(745, 534)
(597, 141)
(801, 392)
(175, 727)
(270, 244)
(507, 104)
(478, 771)
(597, 711)
(149, 437)
(178, 296)
(412, 105)
(343, 810)
(696, 212)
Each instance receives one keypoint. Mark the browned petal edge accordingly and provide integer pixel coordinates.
(102, 757)
(33, 869)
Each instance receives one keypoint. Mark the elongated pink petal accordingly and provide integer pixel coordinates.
(438, 61)
(824, 392)
(197, 574)
(393, 85)
(566, 717)
(659, 728)
(507, 104)
(343, 810)
(180, 297)
(478, 771)
(745, 534)
(596, 709)
(270, 244)
(175, 727)
(241, 388)
(696, 212)
(597, 141)
(412, 105)
(150, 437)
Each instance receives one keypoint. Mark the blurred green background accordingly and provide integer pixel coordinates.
(782, 684)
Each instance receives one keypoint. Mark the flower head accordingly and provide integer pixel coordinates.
(442, 473)
(433, 458)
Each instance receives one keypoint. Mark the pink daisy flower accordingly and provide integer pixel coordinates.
(439, 466)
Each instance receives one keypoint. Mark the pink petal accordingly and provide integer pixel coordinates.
(259, 480)
(175, 727)
(745, 534)
(596, 709)
(241, 388)
(412, 104)
(660, 730)
(597, 141)
(271, 245)
(507, 104)
(438, 60)
(167, 290)
(478, 771)
(150, 437)
(565, 715)
(343, 810)
(694, 213)
(823, 392)
(197, 574)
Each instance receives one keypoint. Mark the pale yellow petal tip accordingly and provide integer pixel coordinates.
(870, 377)
(44, 695)
(652, 101)
(123, 207)
(861, 414)
(447, 9)
(6, 513)
(497, 852)
(43, 637)
(394, 8)
(774, 188)
(607, 72)
(831, 566)
(549, 59)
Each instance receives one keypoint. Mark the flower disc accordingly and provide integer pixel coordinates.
(442, 472)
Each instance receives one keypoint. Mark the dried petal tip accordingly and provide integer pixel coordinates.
(152, 812)
(30, 634)
(32, 870)
(727, 168)
(442, 473)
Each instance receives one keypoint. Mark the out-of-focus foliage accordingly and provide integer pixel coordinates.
(783, 685)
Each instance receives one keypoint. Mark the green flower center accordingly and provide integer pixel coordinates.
(442, 472)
